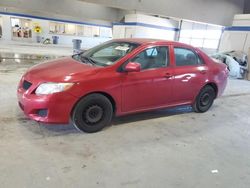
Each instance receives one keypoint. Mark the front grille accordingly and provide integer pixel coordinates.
(26, 85)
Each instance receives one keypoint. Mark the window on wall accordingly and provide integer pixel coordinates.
(200, 35)
(58, 28)
(62, 28)
(95, 31)
(78, 30)
(88, 31)
(70, 29)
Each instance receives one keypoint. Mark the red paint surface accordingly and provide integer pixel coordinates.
(131, 91)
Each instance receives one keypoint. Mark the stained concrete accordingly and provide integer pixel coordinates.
(34, 48)
(167, 148)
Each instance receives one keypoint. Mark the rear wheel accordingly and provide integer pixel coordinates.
(92, 113)
(204, 100)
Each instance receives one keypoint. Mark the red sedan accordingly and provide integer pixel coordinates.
(120, 77)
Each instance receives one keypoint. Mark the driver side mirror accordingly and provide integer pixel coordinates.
(133, 67)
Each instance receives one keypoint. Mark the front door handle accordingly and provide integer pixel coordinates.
(168, 75)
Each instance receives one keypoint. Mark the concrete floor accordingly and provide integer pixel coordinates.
(168, 148)
(34, 48)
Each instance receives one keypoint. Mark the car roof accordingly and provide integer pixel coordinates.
(148, 40)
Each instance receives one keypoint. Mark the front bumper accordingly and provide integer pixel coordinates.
(53, 108)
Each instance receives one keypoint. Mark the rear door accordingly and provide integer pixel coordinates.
(190, 74)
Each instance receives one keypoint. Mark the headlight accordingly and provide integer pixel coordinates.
(50, 87)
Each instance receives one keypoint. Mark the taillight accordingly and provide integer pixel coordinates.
(226, 71)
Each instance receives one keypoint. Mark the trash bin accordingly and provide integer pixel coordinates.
(55, 39)
(76, 45)
(38, 39)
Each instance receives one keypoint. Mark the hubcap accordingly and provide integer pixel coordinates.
(93, 114)
(205, 99)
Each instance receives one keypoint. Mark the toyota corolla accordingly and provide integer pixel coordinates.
(120, 77)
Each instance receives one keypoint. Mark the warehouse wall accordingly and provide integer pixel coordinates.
(210, 11)
(63, 9)
(144, 26)
(237, 37)
(247, 7)
(64, 39)
(6, 27)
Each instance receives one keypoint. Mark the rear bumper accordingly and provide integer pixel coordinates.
(54, 108)
(222, 88)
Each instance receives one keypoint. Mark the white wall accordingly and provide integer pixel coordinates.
(144, 26)
(237, 37)
(235, 40)
(241, 20)
(6, 27)
(118, 31)
(147, 19)
(144, 32)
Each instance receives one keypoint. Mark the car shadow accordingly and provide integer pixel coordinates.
(48, 130)
(151, 115)
(43, 129)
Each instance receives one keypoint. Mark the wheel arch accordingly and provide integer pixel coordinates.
(110, 97)
(214, 86)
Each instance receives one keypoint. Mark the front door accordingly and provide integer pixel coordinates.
(152, 86)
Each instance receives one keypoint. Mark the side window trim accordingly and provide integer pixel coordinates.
(200, 58)
(195, 53)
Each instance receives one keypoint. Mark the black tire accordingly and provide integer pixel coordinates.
(92, 113)
(204, 100)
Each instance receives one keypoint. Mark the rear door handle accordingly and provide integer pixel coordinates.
(186, 78)
(203, 71)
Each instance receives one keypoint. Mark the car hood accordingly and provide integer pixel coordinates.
(61, 70)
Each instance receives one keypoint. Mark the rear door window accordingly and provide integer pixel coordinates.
(186, 57)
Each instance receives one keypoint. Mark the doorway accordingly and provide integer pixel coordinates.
(21, 29)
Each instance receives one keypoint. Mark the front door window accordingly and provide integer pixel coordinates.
(151, 58)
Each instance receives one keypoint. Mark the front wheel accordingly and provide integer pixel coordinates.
(92, 113)
(204, 100)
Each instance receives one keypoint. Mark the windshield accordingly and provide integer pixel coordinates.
(106, 54)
